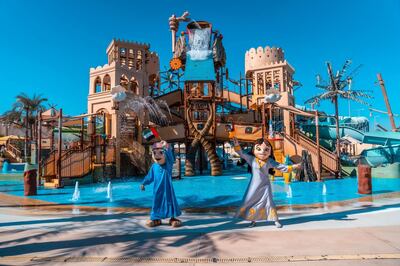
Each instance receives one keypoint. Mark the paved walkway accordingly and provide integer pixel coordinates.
(360, 234)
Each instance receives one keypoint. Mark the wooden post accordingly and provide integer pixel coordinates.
(52, 137)
(335, 101)
(39, 150)
(117, 144)
(338, 174)
(26, 134)
(318, 146)
(240, 91)
(103, 136)
(247, 91)
(263, 119)
(82, 130)
(59, 147)
(385, 97)
(179, 161)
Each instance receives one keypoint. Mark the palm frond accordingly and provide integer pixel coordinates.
(354, 72)
(362, 93)
(320, 97)
(324, 87)
(343, 70)
(354, 98)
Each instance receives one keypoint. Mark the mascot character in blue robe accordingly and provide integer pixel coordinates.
(165, 204)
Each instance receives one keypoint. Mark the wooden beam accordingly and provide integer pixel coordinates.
(59, 147)
(318, 146)
(385, 97)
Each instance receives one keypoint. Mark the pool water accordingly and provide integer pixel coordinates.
(203, 191)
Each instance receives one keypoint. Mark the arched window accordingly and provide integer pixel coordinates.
(107, 82)
(103, 126)
(124, 82)
(122, 55)
(131, 58)
(153, 80)
(97, 85)
(139, 62)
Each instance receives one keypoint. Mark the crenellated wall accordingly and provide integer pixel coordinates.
(262, 57)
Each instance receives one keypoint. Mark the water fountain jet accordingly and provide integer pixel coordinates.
(77, 194)
(109, 191)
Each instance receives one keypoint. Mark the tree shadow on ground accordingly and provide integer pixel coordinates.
(197, 236)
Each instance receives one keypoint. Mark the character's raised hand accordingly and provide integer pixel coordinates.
(297, 166)
(164, 143)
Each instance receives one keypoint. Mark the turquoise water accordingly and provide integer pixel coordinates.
(202, 191)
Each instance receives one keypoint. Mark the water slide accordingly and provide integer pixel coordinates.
(329, 132)
(381, 155)
(387, 152)
(377, 138)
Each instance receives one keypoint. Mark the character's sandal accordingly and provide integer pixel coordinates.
(252, 224)
(175, 222)
(153, 223)
(278, 224)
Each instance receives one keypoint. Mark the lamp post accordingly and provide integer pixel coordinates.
(375, 116)
(118, 94)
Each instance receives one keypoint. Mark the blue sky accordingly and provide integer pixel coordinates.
(48, 47)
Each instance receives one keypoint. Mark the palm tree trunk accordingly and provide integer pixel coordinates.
(338, 173)
(26, 135)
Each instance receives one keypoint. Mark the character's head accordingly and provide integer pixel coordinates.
(262, 149)
(158, 153)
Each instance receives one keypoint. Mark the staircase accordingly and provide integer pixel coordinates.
(295, 145)
(13, 153)
(74, 164)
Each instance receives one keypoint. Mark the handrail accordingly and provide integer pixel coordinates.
(74, 163)
(328, 159)
(14, 151)
(323, 149)
(48, 165)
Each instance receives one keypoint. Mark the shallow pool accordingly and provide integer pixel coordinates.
(203, 191)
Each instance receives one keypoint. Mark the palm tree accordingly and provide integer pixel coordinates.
(24, 112)
(334, 89)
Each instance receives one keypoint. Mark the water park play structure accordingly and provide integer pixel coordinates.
(126, 104)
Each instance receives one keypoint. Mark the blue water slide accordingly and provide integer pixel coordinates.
(387, 153)
(329, 131)
(377, 138)
(381, 155)
(382, 138)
